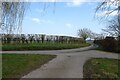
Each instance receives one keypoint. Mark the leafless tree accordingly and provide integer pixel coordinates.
(110, 6)
(113, 28)
(84, 33)
(12, 14)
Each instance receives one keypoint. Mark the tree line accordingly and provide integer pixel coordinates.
(13, 14)
(37, 38)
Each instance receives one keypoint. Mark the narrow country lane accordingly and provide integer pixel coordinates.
(67, 64)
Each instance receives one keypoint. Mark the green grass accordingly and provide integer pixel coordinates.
(42, 46)
(17, 65)
(101, 49)
(102, 68)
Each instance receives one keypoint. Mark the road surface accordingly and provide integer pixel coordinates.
(68, 63)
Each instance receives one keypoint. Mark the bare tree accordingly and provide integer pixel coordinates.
(113, 28)
(110, 6)
(84, 33)
(12, 15)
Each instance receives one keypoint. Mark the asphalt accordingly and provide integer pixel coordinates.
(68, 63)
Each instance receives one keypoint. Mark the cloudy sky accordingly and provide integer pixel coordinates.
(61, 18)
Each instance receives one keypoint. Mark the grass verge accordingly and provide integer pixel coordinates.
(42, 46)
(101, 49)
(17, 65)
(102, 68)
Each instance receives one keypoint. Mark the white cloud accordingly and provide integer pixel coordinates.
(39, 10)
(69, 25)
(75, 3)
(48, 21)
(37, 20)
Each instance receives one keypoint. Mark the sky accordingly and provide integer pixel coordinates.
(61, 18)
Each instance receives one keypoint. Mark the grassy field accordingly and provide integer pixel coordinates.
(42, 46)
(17, 65)
(102, 68)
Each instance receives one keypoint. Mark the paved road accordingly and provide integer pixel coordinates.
(67, 64)
(56, 52)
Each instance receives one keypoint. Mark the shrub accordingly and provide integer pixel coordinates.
(109, 44)
(118, 45)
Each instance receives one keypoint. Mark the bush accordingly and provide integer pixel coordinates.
(118, 45)
(109, 44)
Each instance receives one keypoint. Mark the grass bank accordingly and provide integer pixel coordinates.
(102, 68)
(17, 65)
(99, 48)
(42, 46)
